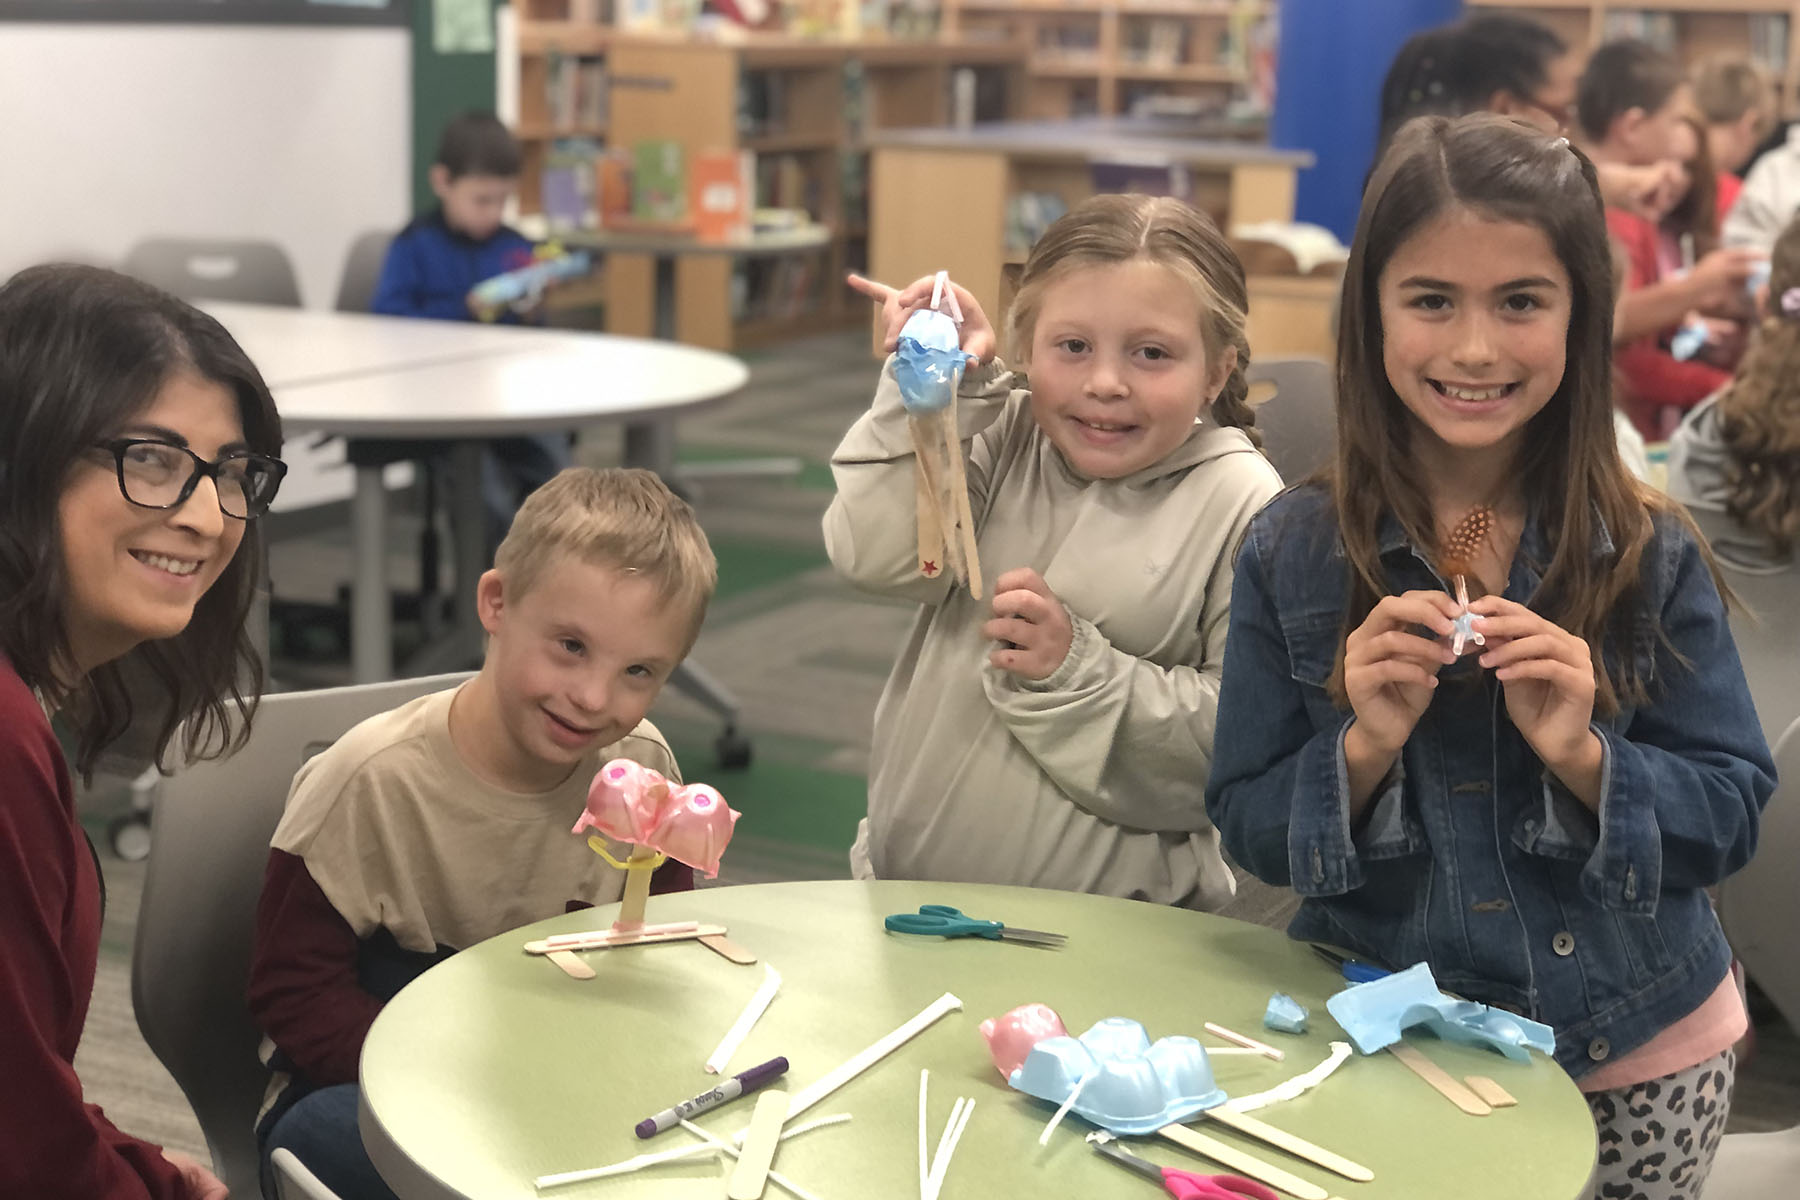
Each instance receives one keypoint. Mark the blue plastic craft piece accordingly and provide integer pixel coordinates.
(1758, 277)
(1132, 1087)
(1376, 1013)
(927, 358)
(1688, 341)
(1285, 1015)
(525, 283)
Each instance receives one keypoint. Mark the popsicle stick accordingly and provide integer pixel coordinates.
(775, 1177)
(751, 1174)
(931, 532)
(1248, 1043)
(637, 888)
(564, 941)
(727, 949)
(740, 1029)
(1490, 1091)
(1242, 1163)
(959, 496)
(1440, 1079)
(926, 459)
(571, 966)
(605, 939)
(1294, 1144)
(808, 1096)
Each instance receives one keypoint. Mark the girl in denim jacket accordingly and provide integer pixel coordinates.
(1537, 819)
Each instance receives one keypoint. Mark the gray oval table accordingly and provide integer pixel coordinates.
(494, 1067)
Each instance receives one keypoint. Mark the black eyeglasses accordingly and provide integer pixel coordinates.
(158, 474)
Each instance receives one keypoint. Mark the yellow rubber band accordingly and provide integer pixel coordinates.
(597, 844)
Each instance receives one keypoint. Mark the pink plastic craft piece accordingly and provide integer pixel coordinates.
(696, 825)
(1011, 1036)
(625, 801)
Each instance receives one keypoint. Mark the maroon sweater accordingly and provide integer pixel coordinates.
(52, 1145)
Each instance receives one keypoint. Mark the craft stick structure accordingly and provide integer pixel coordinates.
(928, 367)
(630, 803)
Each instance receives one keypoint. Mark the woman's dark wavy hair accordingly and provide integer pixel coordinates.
(83, 351)
(1569, 466)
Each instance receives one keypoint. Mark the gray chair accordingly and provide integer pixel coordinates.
(1757, 905)
(1767, 631)
(253, 272)
(1298, 423)
(1755, 1166)
(362, 271)
(294, 1182)
(190, 966)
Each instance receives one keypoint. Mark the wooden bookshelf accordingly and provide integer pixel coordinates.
(1699, 29)
(805, 107)
(1092, 57)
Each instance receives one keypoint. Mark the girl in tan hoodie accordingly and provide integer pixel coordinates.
(1060, 735)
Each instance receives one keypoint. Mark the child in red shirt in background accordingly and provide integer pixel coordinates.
(1633, 103)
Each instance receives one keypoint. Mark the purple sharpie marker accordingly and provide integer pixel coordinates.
(731, 1089)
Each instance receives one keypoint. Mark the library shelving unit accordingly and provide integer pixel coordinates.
(1766, 32)
(805, 107)
(1097, 57)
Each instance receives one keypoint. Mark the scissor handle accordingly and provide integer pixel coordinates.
(941, 920)
(1186, 1185)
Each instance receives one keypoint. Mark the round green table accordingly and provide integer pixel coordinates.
(494, 1067)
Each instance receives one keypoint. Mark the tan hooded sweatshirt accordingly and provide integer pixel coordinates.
(1090, 779)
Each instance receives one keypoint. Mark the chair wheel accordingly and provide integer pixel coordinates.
(130, 837)
(733, 750)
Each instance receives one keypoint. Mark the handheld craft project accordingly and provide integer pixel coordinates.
(1376, 1013)
(522, 287)
(1457, 561)
(928, 365)
(630, 803)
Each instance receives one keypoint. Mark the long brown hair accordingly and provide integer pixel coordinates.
(1698, 213)
(1759, 412)
(82, 351)
(1117, 228)
(1569, 464)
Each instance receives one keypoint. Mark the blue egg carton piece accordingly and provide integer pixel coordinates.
(1377, 1013)
(928, 358)
(1133, 1087)
(1285, 1014)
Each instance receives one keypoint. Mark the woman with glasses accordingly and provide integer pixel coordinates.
(137, 448)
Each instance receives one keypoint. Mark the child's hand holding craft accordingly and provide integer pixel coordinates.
(1032, 622)
(898, 304)
(1548, 677)
(1390, 670)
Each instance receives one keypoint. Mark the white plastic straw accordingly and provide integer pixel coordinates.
(817, 1091)
(940, 1167)
(753, 1011)
(1289, 1089)
(924, 1081)
(1044, 1137)
(622, 1168)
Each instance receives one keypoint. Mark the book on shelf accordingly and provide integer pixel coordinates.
(722, 191)
(659, 182)
(1769, 42)
(566, 185)
(575, 93)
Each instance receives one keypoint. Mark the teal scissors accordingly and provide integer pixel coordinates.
(940, 920)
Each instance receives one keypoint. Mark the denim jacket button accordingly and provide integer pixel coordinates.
(1564, 945)
(1599, 1048)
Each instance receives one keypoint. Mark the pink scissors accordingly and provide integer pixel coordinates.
(1186, 1185)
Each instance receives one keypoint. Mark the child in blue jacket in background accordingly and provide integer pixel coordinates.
(434, 263)
(1538, 820)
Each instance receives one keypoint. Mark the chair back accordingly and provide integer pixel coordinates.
(362, 270)
(1755, 1166)
(190, 966)
(1766, 630)
(293, 1181)
(252, 272)
(1299, 423)
(1757, 905)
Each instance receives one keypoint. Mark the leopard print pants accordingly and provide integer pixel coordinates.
(1657, 1139)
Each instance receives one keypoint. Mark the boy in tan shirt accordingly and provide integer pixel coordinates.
(446, 821)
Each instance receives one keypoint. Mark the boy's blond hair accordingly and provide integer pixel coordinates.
(621, 517)
(1727, 88)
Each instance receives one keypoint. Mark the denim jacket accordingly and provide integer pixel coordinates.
(1473, 857)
